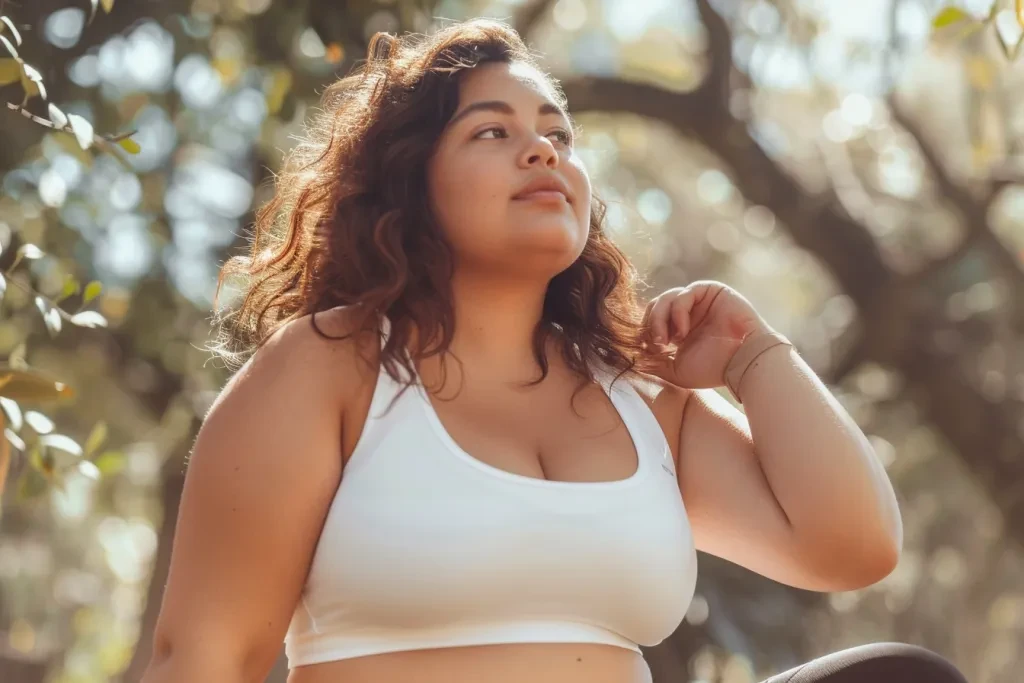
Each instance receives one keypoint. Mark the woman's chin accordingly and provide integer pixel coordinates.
(554, 236)
(550, 227)
(549, 253)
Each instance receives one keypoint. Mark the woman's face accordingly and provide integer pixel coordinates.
(507, 132)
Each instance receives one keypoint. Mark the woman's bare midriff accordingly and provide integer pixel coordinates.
(500, 663)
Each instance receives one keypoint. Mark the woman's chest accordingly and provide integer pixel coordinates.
(453, 548)
(556, 431)
(550, 434)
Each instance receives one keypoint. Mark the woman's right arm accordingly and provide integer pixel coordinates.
(263, 471)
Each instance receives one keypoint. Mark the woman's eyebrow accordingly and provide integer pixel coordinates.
(503, 107)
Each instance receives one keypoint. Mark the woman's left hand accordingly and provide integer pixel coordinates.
(706, 322)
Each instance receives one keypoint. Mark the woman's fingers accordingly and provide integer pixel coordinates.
(645, 322)
(668, 315)
(659, 318)
(680, 313)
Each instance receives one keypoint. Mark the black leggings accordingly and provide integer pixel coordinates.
(875, 663)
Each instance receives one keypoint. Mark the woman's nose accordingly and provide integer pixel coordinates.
(540, 150)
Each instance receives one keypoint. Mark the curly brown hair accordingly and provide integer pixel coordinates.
(350, 223)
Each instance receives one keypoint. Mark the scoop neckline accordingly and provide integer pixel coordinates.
(455, 449)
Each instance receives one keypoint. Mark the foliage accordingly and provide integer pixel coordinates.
(19, 382)
(98, 422)
(966, 24)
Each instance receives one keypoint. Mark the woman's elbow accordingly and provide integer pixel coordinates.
(170, 664)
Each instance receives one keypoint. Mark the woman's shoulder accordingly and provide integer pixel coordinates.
(330, 350)
(666, 400)
(653, 389)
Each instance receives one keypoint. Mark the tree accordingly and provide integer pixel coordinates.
(939, 324)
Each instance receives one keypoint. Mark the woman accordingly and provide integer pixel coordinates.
(522, 517)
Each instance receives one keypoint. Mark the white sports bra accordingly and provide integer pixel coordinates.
(425, 546)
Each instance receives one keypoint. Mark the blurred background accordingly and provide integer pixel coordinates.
(856, 169)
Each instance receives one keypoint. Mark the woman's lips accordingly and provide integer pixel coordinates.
(543, 195)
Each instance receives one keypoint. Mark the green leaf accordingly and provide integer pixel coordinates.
(948, 16)
(32, 82)
(96, 438)
(59, 118)
(14, 439)
(108, 6)
(89, 319)
(40, 423)
(1008, 52)
(110, 462)
(10, 48)
(31, 385)
(9, 25)
(71, 286)
(92, 290)
(37, 458)
(51, 315)
(62, 443)
(13, 412)
(29, 251)
(89, 469)
(52, 320)
(83, 130)
(129, 145)
(968, 29)
(10, 71)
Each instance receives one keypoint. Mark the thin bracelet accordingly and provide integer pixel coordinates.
(752, 347)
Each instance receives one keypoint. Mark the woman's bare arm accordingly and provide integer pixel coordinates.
(262, 474)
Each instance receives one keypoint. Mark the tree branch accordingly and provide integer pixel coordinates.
(529, 15)
(53, 62)
(901, 318)
(817, 223)
(719, 51)
(858, 352)
(973, 213)
(957, 194)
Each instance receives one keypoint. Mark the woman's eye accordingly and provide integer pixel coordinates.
(565, 136)
(488, 130)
